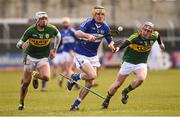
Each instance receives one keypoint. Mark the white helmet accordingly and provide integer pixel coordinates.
(40, 14)
(147, 23)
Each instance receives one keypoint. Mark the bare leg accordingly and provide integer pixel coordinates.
(24, 88)
(140, 77)
(89, 75)
(42, 74)
(113, 88)
(83, 93)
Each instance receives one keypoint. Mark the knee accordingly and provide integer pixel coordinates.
(89, 84)
(92, 76)
(141, 79)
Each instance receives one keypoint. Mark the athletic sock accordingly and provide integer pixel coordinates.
(108, 97)
(76, 103)
(128, 89)
(21, 102)
(43, 84)
(76, 76)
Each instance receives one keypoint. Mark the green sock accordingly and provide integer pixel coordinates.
(128, 89)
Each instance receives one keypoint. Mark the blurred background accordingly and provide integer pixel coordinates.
(17, 15)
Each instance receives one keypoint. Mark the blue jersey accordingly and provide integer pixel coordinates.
(68, 39)
(60, 49)
(90, 48)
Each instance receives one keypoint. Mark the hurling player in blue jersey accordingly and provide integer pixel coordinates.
(86, 57)
(69, 42)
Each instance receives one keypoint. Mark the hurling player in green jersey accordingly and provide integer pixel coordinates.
(138, 47)
(36, 42)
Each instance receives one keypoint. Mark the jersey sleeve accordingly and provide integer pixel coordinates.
(73, 32)
(56, 31)
(84, 26)
(26, 34)
(108, 38)
(157, 37)
(155, 34)
(132, 37)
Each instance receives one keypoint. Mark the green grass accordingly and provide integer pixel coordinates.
(159, 95)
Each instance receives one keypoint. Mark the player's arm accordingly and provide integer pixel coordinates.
(124, 45)
(23, 42)
(161, 44)
(57, 41)
(83, 29)
(81, 34)
(127, 42)
(19, 44)
(109, 39)
(111, 46)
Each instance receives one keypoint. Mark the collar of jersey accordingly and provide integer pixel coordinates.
(40, 29)
(96, 24)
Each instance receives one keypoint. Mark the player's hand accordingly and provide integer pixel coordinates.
(162, 46)
(111, 46)
(25, 44)
(116, 49)
(72, 53)
(52, 53)
(91, 37)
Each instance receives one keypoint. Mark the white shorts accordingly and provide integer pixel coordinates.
(67, 56)
(127, 68)
(31, 63)
(59, 59)
(80, 60)
(62, 57)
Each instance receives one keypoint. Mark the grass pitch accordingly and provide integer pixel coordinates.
(158, 96)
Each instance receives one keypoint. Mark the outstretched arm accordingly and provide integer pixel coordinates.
(81, 34)
(123, 45)
(57, 40)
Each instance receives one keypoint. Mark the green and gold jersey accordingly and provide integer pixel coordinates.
(139, 49)
(39, 40)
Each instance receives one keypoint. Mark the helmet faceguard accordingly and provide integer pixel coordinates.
(41, 19)
(98, 9)
(151, 25)
(40, 14)
(146, 29)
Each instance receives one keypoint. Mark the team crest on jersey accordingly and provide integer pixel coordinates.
(93, 28)
(102, 31)
(151, 42)
(40, 36)
(47, 36)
